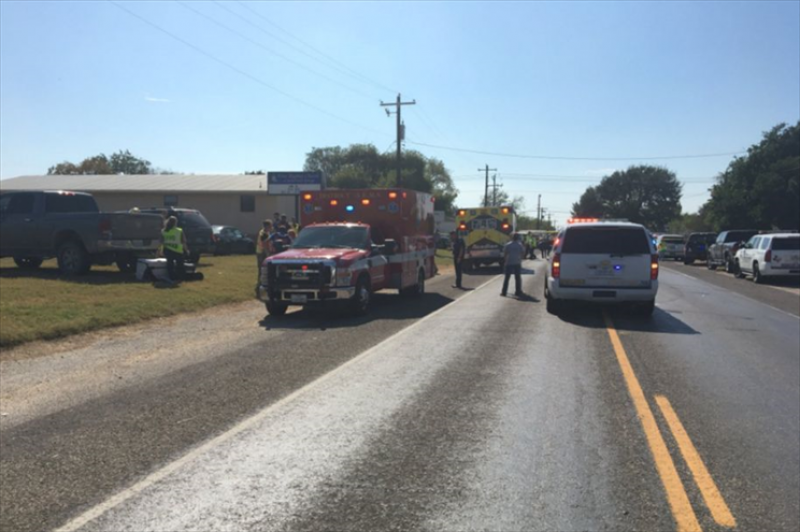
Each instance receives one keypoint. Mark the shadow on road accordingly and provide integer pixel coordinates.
(625, 319)
(388, 306)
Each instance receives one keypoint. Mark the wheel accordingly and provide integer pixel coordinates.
(730, 267)
(739, 273)
(687, 261)
(28, 263)
(127, 265)
(359, 305)
(758, 278)
(276, 308)
(416, 290)
(72, 259)
(710, 265)
(553, 306)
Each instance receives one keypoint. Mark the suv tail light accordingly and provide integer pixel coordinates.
(653, 267)
(556, 268)
(768, 256)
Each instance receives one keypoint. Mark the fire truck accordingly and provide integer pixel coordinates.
(485, 231)
(353, 243)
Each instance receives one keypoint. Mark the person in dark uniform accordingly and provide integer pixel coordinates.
(459, 248)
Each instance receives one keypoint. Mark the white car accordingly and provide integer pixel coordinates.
(769, 255)
(604, 262)
(670, 247)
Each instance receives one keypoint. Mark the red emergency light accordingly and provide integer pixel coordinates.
(505, 227)
(392, 195)
(582, 220)
(334, 203)
(462, 213)
(365, 201)
(307, 197)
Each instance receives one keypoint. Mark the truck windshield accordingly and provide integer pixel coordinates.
(333, 237)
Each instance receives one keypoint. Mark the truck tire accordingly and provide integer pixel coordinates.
(28, 263)
(359, 305)
(758, 278)
(710, 265)
(730, 266)
(739, 273)
(73, 259)
(276, 308)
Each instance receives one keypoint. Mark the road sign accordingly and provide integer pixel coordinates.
(291, 183)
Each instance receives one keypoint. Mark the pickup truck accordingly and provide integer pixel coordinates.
(39, 225)
(723, 250)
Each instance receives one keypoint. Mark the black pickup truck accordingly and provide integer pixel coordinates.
(722, 252)
(39, 225)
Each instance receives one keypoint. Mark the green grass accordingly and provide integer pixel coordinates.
(42, 305)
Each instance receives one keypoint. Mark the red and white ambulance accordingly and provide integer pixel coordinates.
(353, 243)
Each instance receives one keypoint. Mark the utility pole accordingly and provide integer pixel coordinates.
(539, 212)
(400, 132)
(495, 186)
(486, 190)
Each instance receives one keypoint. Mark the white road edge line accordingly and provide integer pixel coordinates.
(735, 293)
(98, 510)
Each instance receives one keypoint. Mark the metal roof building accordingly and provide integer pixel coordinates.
(238, 200)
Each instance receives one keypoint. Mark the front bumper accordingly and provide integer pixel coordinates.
(300, 296)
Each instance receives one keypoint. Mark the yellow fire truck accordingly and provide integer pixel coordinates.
(485, 231)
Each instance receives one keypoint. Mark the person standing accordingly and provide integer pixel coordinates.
(263, 245)
(175, 247)
(513, 252)
(534, 244)
(459, 249)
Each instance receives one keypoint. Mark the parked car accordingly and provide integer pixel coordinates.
(604, 262)
(723, 250)
(230, 240)
(769, 255)
(38, 225)
(696, 247)
(670, 247)
(199, 235)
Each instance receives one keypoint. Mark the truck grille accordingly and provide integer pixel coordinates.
(310, 275)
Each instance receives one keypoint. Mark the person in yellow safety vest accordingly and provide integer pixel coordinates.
(174, 244)
(263, 244)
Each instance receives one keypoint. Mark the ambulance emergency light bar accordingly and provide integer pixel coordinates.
(593, 220)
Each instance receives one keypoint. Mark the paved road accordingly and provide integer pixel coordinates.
(466, 412)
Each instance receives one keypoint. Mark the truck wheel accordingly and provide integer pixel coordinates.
(73, 259)
(758, 278)
(276, 308)
(360, 302)
(28, 263)
(647, 308)
(710, 265)
(739, 273)
(730, 266)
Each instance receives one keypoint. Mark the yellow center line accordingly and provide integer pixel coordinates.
(678, 500)
(716, 504)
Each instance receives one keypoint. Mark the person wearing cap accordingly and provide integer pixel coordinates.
(513, 253)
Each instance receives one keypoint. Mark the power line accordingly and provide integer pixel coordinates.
(244, 73)
(559, 158)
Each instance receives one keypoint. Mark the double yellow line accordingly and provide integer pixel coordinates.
(682, 510)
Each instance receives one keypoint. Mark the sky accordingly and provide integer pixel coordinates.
(551, 96)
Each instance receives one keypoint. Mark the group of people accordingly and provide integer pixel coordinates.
(532, 243)
(275, 236)
(513, 254)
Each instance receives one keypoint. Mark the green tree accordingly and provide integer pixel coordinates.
(689, 223)
(122, 162)
(762, 189)
(649, 195)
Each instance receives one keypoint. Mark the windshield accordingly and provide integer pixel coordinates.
(333, 237)
(610, 240)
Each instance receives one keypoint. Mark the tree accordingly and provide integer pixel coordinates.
(122, 162)
(255, 172)
(762, 189)
(689, 223)
(649, 195)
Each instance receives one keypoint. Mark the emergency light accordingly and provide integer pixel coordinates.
(334, 203)
(392, 195)
(365, 201)
(349, 208)
(462, 213)
(307, 197)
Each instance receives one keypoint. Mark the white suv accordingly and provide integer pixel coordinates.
(768, 255)
(605, 262)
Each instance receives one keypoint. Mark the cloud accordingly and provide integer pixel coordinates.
(156, 100)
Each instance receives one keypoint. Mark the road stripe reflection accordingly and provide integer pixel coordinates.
(678, 500)
(716, 504)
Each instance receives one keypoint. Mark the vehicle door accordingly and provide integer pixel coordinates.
(601, 257)
(17, 223)
(717, 251)
(747, 253)
(786, 253)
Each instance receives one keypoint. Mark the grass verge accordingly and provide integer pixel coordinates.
(42, 305)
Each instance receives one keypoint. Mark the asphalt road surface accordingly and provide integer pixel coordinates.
(464, 410)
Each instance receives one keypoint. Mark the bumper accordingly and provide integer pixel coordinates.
(301, 296)
(769, 271)
(128, 245)
(670, 254)
(604, 294)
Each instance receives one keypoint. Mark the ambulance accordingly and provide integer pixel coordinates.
(353, 242)
(485, 230)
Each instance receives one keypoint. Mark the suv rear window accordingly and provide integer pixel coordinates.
(192, 219)
(601, 240)
(791, 243)
(672, 240)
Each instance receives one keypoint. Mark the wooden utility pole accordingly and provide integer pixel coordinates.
(539, 212)
(400, 132)
(486, 190)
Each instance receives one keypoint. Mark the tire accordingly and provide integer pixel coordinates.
(416, 290)
(739, 273)
(688, 261)
(730, 266)
(710, 265)
(73, 259)
(359, 304)
(127, 265)
(553, 306)
(28, 263)
(758, 278)
(276, 308)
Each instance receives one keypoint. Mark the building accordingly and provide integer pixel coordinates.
(238, 200)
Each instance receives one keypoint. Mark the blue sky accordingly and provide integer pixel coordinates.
(579, 80)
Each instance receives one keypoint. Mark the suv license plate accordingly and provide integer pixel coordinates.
(299, 298)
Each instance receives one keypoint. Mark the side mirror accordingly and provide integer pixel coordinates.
(389, 247)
